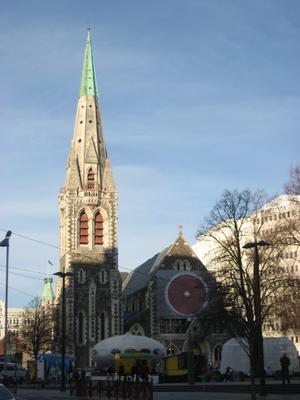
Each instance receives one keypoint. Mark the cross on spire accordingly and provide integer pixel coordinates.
(180, 230)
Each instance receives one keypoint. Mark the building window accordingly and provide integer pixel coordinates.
(137, 329)
(102, 326)
(171, 349)
(91, 179)
(81, 276)
(80, 327)
(83, 228)
(218, 353)
(102, 277)
(115, 286)
(182, 265)
(98, 228)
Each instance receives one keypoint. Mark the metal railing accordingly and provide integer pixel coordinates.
(114, 390)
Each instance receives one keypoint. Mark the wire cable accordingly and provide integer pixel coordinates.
(23, 269)
(18, 290)
(32, 239)
(23, 275)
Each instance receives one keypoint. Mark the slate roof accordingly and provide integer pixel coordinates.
(138, 278)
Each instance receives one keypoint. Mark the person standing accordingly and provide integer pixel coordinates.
(133, 372)
(121, 372)
(285, 363)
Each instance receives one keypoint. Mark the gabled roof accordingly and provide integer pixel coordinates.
(140, 277)
(180, 248)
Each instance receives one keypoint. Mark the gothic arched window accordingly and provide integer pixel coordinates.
(218, 353)
(90, 179)
(80, 327)
(83, 228)
(102, 326)
(81, 275)
(98, 228)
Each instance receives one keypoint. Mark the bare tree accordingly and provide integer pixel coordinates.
(36, 333)
(293, 185)
(236, 219)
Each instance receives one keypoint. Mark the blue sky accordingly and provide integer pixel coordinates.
(196, 97)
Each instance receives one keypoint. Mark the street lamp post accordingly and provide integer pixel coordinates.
(5, 243)
(63, 275)
(191, 378)
(257, 311)
(190, 357)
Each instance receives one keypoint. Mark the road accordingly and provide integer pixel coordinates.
(44, 394)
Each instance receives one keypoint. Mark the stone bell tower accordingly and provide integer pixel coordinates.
(88, 230)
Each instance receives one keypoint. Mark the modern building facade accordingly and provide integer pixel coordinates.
(14, 319)
(88, 230)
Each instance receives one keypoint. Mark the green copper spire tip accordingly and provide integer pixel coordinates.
(88, 86)
(48, 293)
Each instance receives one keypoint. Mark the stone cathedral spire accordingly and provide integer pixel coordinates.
(88, 163)
(88, 228)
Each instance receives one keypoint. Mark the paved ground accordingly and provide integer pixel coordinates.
(177, 391)
(44, 394)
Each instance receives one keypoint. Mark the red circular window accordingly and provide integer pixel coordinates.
(186, 294)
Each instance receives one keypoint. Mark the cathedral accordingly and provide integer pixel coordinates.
(159, 298)
(162, 296)
(88, 205)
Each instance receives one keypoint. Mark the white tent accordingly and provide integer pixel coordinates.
(234, 356)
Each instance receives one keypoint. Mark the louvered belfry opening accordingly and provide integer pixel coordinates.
(83, 229)
(98, 228)
(91, 179)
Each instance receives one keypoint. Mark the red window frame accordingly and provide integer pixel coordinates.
(98, 231)
(83, 228)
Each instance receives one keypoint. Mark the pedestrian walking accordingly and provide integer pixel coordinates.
(285, 363)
